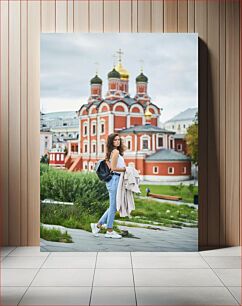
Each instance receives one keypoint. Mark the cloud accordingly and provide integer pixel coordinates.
(68, 63)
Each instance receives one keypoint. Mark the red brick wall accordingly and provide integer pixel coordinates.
(163, 168)
(120, 122)
(135, 120)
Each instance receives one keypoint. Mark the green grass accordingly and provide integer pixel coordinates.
(54, 235)
(164, 214)
(183, 191)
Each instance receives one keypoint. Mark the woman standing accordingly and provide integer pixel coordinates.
(116, 163)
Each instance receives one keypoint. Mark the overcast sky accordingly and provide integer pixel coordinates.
(170, 61)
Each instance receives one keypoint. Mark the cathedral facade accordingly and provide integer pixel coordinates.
(149, 148)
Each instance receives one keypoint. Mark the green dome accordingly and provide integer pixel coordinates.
(96, 80)
(114, 74)
(142, 78)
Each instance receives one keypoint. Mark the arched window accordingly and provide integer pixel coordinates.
(85, 128)
(155, 169)
(145, 142)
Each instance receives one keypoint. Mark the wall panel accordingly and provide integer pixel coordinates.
(24, 122)
(157, 18)
(232, 122)
(222, 121)
(217, 24)
(14, 121)
(182, 15)
(4, 186)
(170, 15)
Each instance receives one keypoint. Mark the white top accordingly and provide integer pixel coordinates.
(120, 163)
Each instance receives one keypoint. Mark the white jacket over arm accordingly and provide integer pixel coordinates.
(128, 184)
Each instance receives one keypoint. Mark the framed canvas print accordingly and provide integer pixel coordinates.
(119, 142)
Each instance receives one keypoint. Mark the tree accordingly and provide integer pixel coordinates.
(192, 140)
(44, 159)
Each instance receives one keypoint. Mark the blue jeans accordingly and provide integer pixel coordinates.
(109, 215)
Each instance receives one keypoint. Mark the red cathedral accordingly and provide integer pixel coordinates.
(150, 148)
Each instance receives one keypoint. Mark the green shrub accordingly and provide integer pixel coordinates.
(53, 234)
(71, 187)
(44, 168)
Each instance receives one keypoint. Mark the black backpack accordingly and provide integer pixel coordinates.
(103, 171)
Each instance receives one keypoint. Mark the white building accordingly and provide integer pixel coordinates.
(45, 142)
(63, 126)
(182, 121)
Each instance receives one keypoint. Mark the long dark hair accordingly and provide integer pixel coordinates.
(110, 146)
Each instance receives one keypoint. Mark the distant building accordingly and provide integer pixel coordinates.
(182, 121)
(45, 142)
(63, 126)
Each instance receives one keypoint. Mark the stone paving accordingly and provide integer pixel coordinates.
(145, 240)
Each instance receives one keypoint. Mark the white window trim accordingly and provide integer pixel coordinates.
(57, 157)
(157, 141)
(172, 170)
(94, 144)
(83, 132)
(179, 147)
(155, 172)
(184, 170)
(62, 157)
(89, 166)
(102, 142)
(144, 137)
(128, 138)
(85, 164)
(85, 142)
(102, 122)
(92, 124)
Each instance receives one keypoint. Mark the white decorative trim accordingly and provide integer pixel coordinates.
(110, 123)
(103, 104)
(91, 108)
(164, 178)
(153, 142)
(139, 107)
(121, 104)
(84, 109)
(154, 108)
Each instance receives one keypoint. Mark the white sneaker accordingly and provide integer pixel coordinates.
(95, 229)
(113, 234)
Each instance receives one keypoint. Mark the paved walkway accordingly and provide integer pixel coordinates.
(145, 240)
